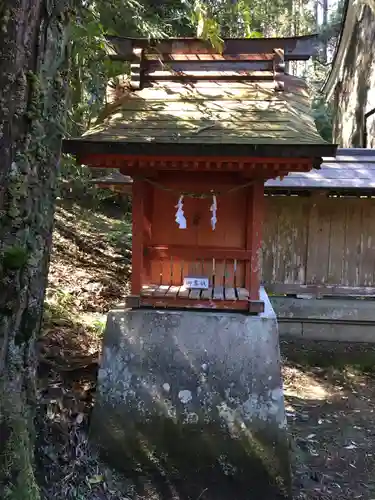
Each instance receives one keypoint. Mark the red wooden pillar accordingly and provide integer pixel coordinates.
(148, 193)
(138, 216)
(255, 214)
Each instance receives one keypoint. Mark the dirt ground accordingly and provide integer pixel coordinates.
(329, 399)
(331, 419)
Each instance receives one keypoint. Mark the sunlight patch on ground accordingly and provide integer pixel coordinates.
(302, 385)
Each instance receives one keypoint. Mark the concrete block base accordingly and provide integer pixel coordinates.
(192, 402)
(328, 319)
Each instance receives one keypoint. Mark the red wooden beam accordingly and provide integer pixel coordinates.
(100, 159)
(230, 75)
(296, 48)
(208, 58)
(134, 165)
(165, 252)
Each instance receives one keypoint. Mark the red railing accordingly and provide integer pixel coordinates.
(169, 265)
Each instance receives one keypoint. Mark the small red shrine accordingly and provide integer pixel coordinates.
(199, 132)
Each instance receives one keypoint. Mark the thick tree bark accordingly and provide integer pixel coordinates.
(353, 95)
(33, 65)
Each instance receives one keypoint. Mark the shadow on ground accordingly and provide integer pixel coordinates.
(331, 420)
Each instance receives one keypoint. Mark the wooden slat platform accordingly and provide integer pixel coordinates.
(174, 292)
(212, 298)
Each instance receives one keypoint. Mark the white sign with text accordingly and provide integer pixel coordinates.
(196, 282)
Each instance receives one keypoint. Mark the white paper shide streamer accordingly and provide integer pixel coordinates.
(180, 217)
(213, 209)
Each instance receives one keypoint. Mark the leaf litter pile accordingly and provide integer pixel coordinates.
(330, 406)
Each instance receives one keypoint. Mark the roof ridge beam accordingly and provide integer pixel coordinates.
(295, 48)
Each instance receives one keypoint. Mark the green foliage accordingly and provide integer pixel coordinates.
(15, 258)
(34, 104)
(91, 70)
(99, 326)
(322, 112)
(60, 305)
(119, 234)
(16, 469)
(207, 27)
(75, 179)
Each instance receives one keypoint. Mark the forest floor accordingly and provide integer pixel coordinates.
(330, 400)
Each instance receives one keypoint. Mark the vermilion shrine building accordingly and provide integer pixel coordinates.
(200, 132)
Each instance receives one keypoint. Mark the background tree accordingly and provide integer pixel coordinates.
(33, 74)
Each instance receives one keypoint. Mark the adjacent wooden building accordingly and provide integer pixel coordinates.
(319, 233)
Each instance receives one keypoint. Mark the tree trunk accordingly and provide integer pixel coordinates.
(33, 66)
(325, 24)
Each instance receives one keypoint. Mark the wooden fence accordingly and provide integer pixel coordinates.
(319, 243)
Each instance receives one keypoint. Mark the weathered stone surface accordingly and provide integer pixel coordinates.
(193, 402)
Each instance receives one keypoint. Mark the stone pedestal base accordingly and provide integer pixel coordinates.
(193, 403)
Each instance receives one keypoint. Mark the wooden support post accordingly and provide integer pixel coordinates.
(138, 214)
(255, 213)
(148, 194)
(136, 69)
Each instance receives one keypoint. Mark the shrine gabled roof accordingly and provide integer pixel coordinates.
(196, 102)
(214, 112)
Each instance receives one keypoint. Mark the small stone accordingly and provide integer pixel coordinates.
(166, 387)
(303, 416)
(185, 396)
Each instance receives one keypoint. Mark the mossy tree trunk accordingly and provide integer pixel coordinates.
(33, 65)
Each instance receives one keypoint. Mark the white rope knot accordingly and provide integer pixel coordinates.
(180, 217)
(213, 209)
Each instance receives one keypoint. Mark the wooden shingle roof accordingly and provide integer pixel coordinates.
(185, 98)
(212, 112)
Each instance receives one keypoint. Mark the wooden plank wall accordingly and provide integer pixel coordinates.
(319, 240)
